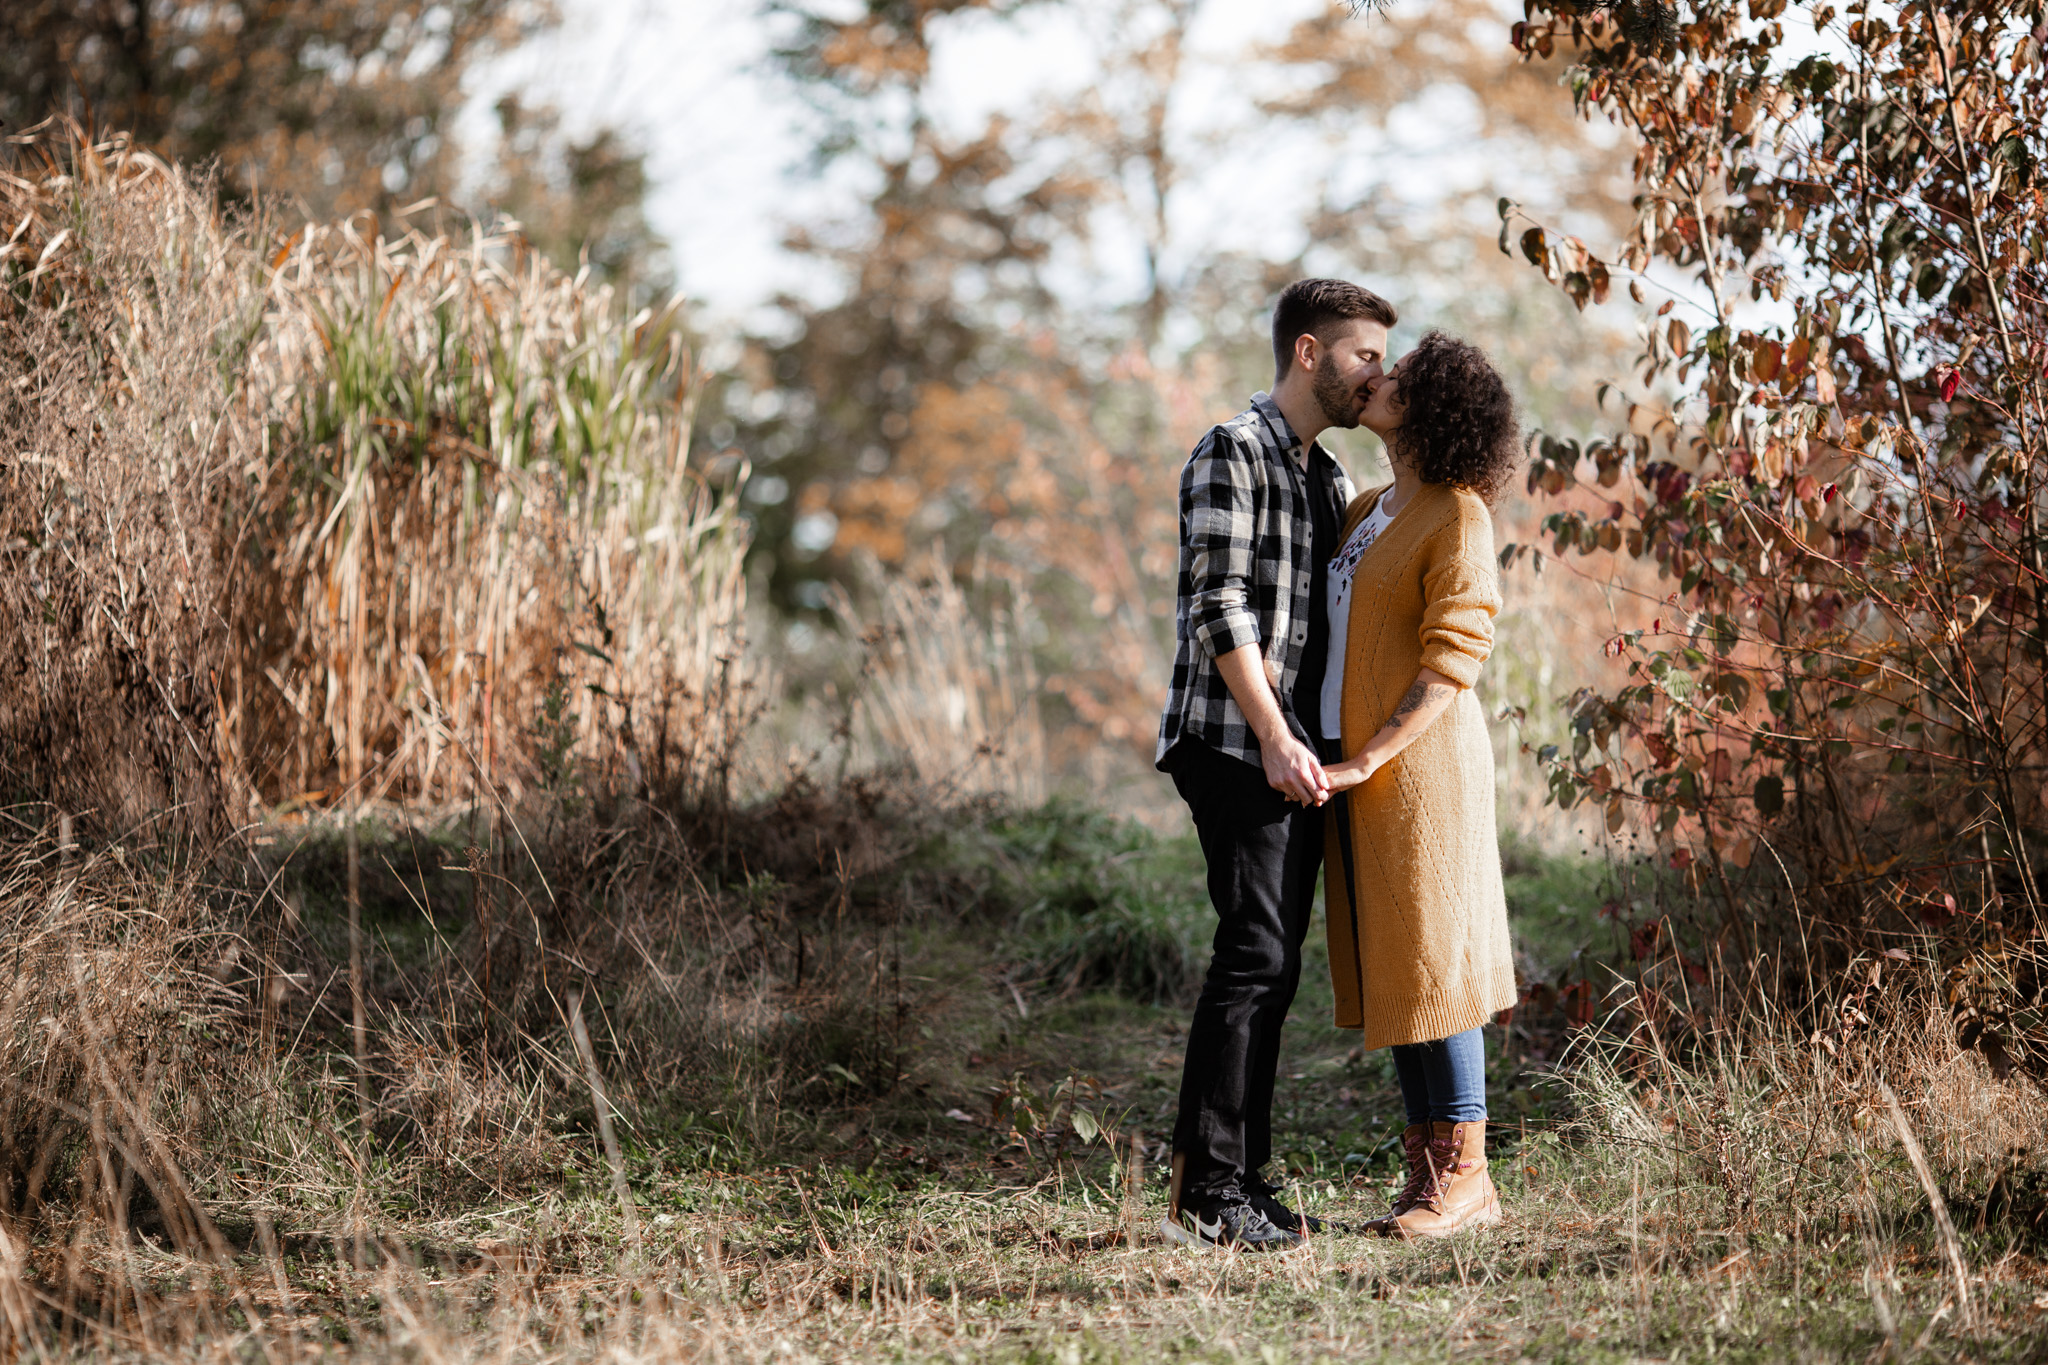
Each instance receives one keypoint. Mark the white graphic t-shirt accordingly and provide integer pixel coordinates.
(1342, 566)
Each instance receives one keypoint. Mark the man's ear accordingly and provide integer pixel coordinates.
(1306, 348)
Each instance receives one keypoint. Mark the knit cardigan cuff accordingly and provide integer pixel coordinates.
(1454, 663)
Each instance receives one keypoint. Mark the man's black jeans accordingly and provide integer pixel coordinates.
(1263, 853)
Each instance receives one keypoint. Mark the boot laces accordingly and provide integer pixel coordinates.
(1429, 1181)
(1425, 1174)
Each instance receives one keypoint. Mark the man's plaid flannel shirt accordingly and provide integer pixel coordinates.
(1246, 566)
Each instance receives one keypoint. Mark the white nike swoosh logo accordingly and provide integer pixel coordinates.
(1208, 1231)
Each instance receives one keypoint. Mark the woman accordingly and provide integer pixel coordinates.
(1417, 922)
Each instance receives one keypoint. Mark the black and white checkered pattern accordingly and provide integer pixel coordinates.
(1246, 557)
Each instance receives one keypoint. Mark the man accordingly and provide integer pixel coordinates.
(1260, 507)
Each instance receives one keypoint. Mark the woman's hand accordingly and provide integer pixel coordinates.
(1351, 772)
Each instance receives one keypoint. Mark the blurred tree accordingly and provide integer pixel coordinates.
(578, 198)
(342, 106)
(946, 233)
(1027, 346)
(1440, 231)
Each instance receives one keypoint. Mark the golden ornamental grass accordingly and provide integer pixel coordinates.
(339, 518)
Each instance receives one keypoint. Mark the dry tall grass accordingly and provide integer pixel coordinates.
(340, 518)
(948, 685)
(1742, 1192)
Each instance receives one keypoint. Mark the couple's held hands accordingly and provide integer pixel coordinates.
(1294, 772)
(1429, 697)
(1352, 772)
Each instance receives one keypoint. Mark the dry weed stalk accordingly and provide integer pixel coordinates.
(110, 1082)
(949, 690)
(1800, 1131)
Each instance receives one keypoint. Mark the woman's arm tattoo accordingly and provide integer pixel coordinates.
(1417, 697)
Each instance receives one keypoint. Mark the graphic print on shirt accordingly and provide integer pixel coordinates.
(1338, 597)
(1346, 561)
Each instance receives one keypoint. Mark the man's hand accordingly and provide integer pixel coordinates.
(1290, 768)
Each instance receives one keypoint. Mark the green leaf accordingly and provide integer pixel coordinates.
(1769, 794)
(1678, 684)
(1085, 1126)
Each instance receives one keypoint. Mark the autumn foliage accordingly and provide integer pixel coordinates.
(1832, 716)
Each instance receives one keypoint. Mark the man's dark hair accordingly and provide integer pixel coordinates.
(1457, 416)
(1313, 307)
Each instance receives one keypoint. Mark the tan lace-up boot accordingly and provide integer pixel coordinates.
(1415, 1148)
(1459, 1193)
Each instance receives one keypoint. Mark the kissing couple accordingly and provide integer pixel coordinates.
(1321, 714)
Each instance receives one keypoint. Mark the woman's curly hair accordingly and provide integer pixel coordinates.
(1457, 416)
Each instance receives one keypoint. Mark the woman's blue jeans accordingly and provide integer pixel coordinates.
(1444, 1081)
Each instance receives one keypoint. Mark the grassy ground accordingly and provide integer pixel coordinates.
(996, 1199)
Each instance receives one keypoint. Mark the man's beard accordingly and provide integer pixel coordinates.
(1338, 400)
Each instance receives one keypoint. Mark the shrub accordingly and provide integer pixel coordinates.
(1835, 723)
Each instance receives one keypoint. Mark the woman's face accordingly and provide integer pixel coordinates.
(1383, 405)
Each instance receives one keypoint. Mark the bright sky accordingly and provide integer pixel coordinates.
(692, 81)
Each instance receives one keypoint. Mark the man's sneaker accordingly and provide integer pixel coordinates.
(1265, 1197)
(1227, 1224)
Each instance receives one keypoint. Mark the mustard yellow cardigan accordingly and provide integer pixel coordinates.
(1418, 925)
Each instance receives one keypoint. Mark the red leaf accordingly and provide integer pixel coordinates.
(1827, 495)
(1696, 970)
(1682, 859)
(1642, 940)
(1995, 511)
(1952, 381)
